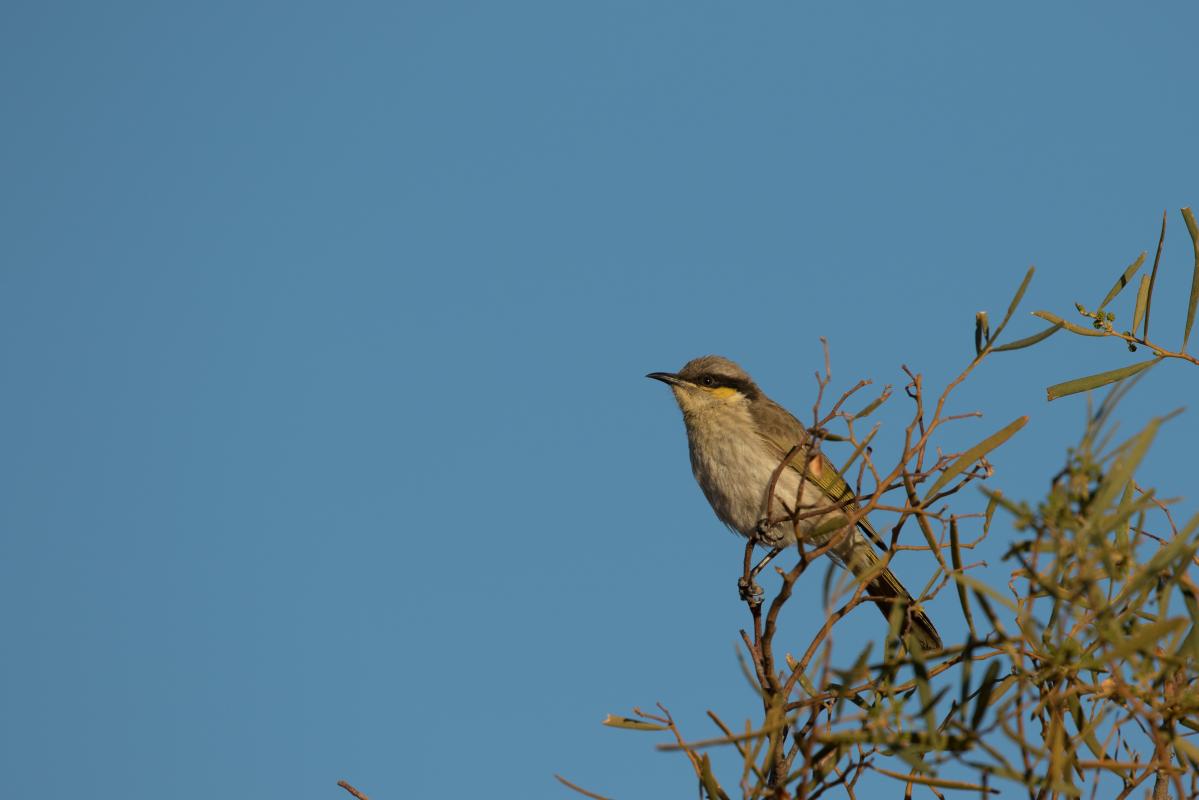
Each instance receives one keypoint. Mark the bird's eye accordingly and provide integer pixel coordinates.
(708, 380)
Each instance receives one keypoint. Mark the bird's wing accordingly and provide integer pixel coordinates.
(781, 431)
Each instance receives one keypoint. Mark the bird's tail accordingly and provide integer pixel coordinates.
(886, 591)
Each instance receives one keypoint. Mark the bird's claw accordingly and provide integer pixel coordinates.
(750, 591)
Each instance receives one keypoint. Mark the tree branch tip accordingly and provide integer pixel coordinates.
(346, 785)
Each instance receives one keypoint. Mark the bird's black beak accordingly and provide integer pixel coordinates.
(667, 377)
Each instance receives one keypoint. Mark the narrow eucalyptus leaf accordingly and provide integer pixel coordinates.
(1011, 309)
(1189, 750)
(1118, 569)
(1095, 381)
(1119, 475)
(1189, 216)
(955, 551)
(871, 406)
(1028, 341)
(1123, 280)
(1161, 239)
(1177, 549)
(942, 783)
(1142, 298)
(989, 514)
(613, 721)
(1146, 638)
(1070, 326)
(865, 443)
(1020, 511)
(708, 780)
(982, 589)
(983, 702)
(1190, 645)
(967, 459)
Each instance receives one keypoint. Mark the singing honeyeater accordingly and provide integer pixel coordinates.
(738, 437)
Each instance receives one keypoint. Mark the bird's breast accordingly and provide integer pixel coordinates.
(733, 467)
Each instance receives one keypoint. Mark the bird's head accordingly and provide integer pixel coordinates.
(709, 383)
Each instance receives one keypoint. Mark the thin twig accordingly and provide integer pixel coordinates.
(345, 785)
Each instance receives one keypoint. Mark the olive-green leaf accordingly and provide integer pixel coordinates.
(981, 588)
(1187, 749)
(1161, 239)
(1119, 475)
(1086, 731)
(1011, 309)
(870, 407)
(1095, 381)
(941, 783)
(1123, 280)
(955, 552)
(1147, 637)
(1190, 645)
(1174, 550)
(1115, 559)
(983, 702)
(711, 787)
(613, 721)
(1142, 299)
(1189, 216)
(967, 459)
(1070, 326)
(1028, 341)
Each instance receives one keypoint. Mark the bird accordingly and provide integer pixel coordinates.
(738, 437)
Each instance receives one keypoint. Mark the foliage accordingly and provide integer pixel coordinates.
(1079, 675)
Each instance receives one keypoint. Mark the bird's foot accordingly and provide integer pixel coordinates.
(750, 591)
(767, 531)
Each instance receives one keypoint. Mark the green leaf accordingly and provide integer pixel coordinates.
(872, 405)
(1176, 549)
(1121, 471)
(828, 527)
(1146, 638)
(1189, 216)
(1020, 511)
(1086, 731)
(981, 588)
(1161, 239)
(1115, 559)
(955, 553)
(940, 783)
(1123, 280)
(711, 787)
(967, 459)
(1070, 326)
(861, 448)
(1100, 379)
(613, 721)
(1187, 749)
(1142, 298)
(1011, 309)
(1190, 645)
(1028, 341)
(983, 702)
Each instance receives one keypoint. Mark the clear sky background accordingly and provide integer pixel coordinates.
(326, 447)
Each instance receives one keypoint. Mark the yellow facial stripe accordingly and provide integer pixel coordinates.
(724, 392)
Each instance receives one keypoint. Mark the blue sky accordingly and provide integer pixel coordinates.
(326, 447)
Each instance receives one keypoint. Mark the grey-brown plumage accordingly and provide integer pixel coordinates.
(738, 436)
